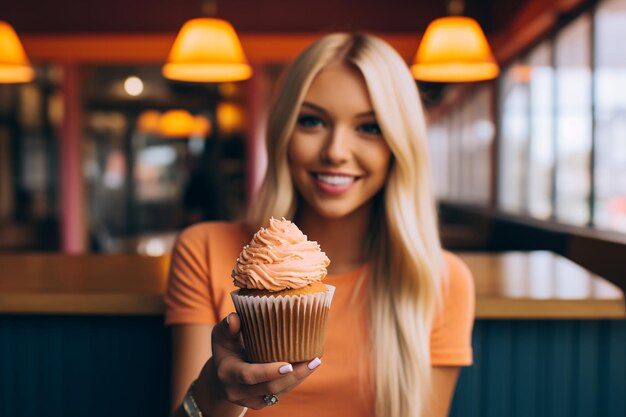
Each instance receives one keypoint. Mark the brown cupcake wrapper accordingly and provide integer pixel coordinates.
(285, 328)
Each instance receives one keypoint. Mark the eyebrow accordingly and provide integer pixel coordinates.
(323, 111)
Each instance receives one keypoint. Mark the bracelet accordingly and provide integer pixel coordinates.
(189, 403)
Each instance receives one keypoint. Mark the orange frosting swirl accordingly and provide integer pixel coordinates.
(279, 257)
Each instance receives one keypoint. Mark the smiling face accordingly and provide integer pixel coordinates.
(338, 157)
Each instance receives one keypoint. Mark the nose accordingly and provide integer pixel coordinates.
(337, 147)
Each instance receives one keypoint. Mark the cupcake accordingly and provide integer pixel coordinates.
(281, 301)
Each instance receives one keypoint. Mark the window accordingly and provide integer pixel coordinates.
(483, 130)
(573, 121)
(514, 128)
(546, 129)
(455, 149)
(29, 120)
(438, 148)
(460, 144)
(610, 115)
(541, 152)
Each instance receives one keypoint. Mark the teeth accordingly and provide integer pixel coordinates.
(335, 179)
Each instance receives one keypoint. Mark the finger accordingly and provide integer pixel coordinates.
(247, 374)
(256, 403)
(229, 327)
(289, 381)
(252, 396)
(240, 381)
(226, 333)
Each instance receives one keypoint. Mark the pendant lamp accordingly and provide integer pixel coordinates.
(454, 49)
(180, 123)
(207, 49)
(14, 64)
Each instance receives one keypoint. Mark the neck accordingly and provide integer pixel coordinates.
(342, 239)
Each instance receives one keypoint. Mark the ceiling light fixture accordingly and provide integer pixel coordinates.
(14, 64)
(133, 86)
(179, 123)
(207, 49)
(454, 49)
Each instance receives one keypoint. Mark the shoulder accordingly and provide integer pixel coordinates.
(204, 230)
(199, 234)
(208, 243)
(458, 278)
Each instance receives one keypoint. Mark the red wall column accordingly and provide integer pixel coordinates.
(256, 156)
(72, 189)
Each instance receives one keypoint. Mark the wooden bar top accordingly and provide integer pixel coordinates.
(82, 284)
(510, 285)
(540, 284)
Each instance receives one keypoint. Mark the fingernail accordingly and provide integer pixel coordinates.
(285, 369)
(314, 363)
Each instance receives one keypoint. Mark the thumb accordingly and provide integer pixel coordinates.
(227, 331)
(233, 324)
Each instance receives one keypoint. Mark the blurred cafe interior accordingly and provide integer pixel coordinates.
(105, 157)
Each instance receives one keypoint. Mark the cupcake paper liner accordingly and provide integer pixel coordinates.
(284, 328)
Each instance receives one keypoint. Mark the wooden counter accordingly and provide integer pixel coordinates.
(84, 284)
(540, 284)
(518, 285)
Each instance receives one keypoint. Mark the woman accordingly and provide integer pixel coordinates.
(348, 163)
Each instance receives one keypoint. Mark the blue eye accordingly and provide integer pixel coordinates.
(309, 121)
(370, 128)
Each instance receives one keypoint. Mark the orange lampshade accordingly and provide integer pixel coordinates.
(202, 126)
(182, 124)
(149, 121)
(14, 64)
(176, 123)
(230, 118)
(454, 49)
(207, 50)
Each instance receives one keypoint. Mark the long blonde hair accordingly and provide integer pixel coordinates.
(406, 256)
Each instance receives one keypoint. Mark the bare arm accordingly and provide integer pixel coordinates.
(443, 382)
(225, 382)
(191, 352)
(191, 348)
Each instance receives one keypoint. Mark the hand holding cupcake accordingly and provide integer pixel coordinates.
(282, 303)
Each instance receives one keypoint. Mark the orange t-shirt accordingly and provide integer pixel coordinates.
(199, 292)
